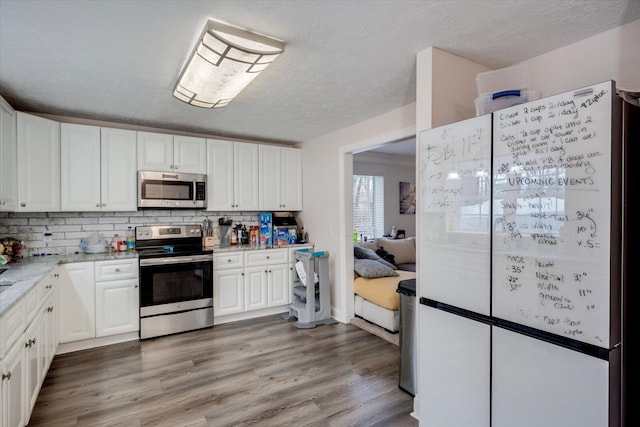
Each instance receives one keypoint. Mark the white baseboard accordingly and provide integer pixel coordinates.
(219, 320)
(96, 342)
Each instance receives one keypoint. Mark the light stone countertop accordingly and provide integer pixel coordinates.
(233, 248)
(24, 274)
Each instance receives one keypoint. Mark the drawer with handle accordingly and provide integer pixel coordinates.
(226, 260)
(116, 269)
(266, 257)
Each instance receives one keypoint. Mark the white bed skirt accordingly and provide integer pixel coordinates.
(388, 319)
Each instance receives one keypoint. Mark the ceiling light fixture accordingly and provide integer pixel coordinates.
(225, 60)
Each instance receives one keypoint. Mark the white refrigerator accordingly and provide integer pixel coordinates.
(521, 265)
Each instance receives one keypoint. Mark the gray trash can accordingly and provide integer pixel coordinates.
(407, 291)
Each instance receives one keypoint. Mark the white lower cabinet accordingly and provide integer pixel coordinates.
(266, 278)
(278, 285)
(256, 288)
(33, 348)
(77, 301)
(98, 299)
(228, 291)
(12, 389)
(254, 279)
(29, 352)
(116, 307)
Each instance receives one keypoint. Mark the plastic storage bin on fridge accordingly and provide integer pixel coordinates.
(498, 89)
(517, 77)
(489, 103)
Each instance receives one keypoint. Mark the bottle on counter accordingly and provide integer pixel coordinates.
(355, 236)
(131, 239)
(234, 236)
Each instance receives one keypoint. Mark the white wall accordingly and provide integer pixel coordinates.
(394, 169)
(445, 88)
(324, 187)
(612, 55)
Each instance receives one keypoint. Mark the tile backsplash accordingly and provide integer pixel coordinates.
(67, 228)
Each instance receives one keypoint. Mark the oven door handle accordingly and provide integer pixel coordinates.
(175, 260)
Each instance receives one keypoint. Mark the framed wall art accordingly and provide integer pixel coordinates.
(407, 198)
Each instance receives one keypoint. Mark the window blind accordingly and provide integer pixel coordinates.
(368, 205)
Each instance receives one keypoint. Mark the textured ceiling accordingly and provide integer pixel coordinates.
(344, 61)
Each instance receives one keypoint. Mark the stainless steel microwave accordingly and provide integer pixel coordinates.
(171, 190)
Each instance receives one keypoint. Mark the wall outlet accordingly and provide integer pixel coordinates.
(47, 237)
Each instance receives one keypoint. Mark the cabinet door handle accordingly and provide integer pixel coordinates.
(117, 270)
(6, 376)
(23, 204)
(97, 205)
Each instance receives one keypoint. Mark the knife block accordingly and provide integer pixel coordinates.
(208, 241)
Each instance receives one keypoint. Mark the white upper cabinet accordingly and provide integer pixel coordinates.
(163, 152)
(80, 168)
(8, 147)
(280, 178)
(155, 151)
(38, 164)
(270, 177)
(98, 168)
(291, 178)
(118, 166)
(232, 176)
(189, 154)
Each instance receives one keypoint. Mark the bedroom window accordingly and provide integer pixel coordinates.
(368, 205)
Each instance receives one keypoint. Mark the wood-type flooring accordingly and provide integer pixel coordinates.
(259, 372)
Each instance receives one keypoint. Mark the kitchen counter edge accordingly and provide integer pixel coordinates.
(27, 272)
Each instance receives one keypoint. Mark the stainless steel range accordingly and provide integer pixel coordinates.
(176, 281)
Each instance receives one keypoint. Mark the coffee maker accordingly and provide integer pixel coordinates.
(285, 229)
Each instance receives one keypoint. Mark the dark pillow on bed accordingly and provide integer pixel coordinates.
(386, 256)
(366, 253)
(372, 269)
